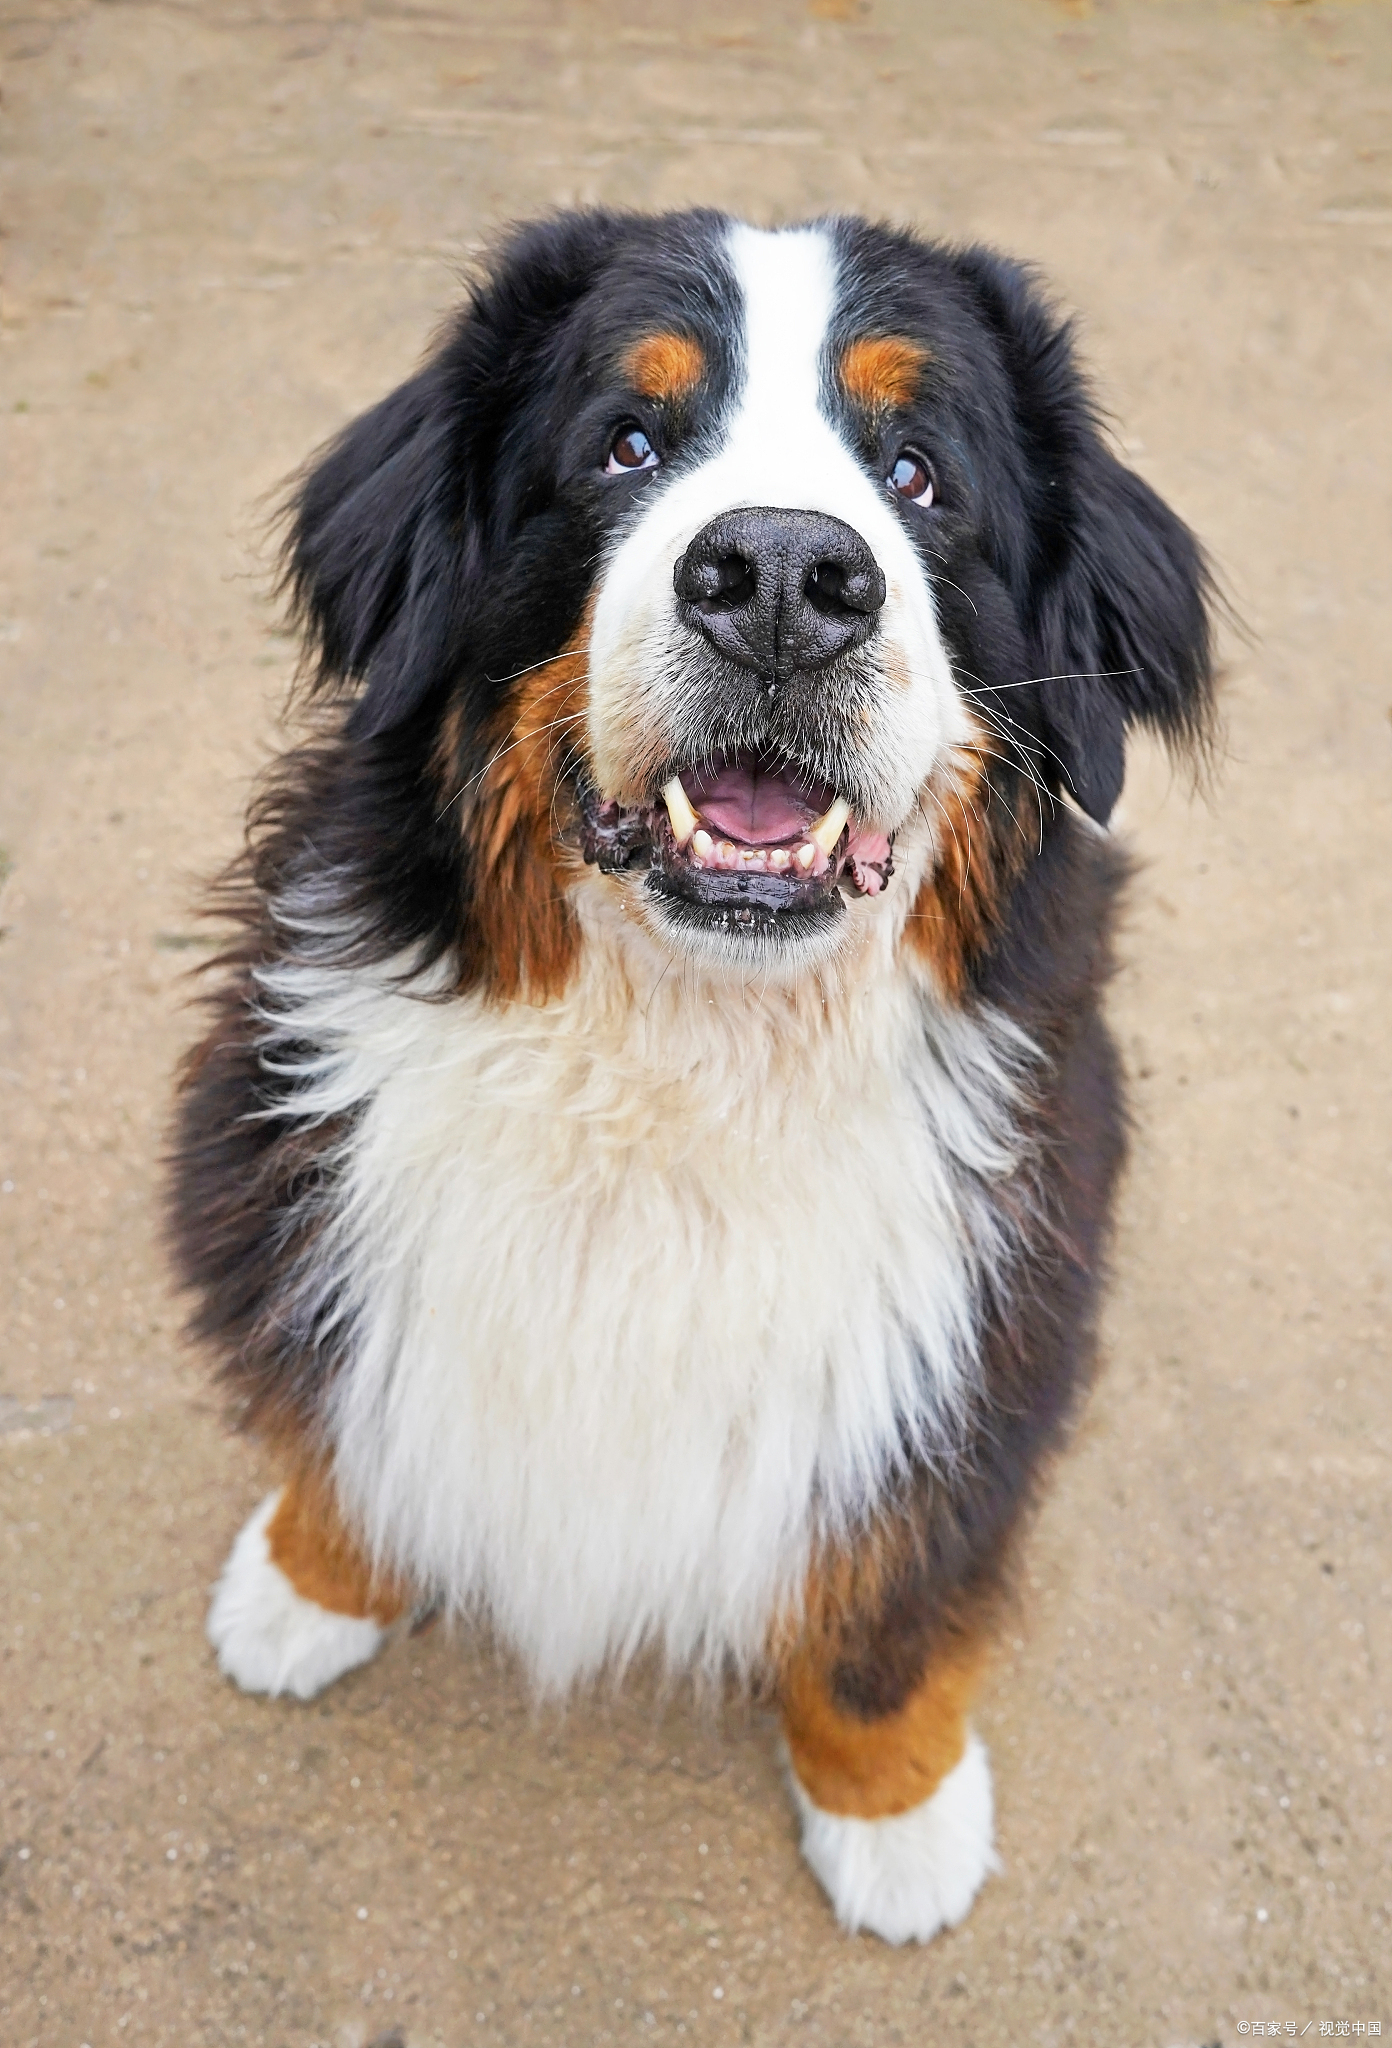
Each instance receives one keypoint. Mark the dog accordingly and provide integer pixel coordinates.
(647, 1173)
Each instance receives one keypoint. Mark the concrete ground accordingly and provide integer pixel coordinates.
(228, 226)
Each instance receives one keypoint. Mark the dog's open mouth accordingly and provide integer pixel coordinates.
(743, 841)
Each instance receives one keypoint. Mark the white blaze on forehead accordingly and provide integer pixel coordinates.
(780, 443)
(779, 448)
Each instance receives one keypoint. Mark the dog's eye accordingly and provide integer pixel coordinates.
(631, 450)
(911, 477)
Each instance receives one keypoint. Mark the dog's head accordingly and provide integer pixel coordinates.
(742, 567)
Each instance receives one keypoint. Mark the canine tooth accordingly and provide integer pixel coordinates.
(780, 857)
(679, 810)
(702, 843)
(805, 854)
(830, 826)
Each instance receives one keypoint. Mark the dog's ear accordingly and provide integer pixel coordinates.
(1118, 598)
(379, 552)
(392, 529)
(1123, 631)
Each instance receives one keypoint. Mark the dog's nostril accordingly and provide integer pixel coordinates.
(823, 585)
(736, 580)
(716, 581)
(826, 587)
(834, 588)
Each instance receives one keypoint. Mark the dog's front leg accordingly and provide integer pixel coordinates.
(892, 1787)
(298, 1603)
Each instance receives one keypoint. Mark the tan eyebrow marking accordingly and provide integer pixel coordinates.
(665, 365)
(882, 369)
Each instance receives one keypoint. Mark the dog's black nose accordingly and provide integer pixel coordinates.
(780, 591)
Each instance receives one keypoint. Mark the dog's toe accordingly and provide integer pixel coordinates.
(906, 1877)
(268, 1637)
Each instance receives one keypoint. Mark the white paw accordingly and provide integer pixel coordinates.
(267, 1637)
(906, 1877)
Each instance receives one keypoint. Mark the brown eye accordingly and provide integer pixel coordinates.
(631, 450)
(911, 478)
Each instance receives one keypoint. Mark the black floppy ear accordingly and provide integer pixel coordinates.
(1112, 587)
(1122, 630)
(380, 552)
(392, 530)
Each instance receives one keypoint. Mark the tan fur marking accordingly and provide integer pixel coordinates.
(841, 1582)
(981, 847)
(322, 1561)
(882, 370)
(876, 1767)
(870, 1766)
(665, 366)
(525, 935)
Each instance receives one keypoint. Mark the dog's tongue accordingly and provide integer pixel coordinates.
(755, 804)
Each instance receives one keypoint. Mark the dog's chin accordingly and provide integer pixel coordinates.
(733, 928)
(744, 863)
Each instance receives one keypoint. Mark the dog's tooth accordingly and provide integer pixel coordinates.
(726, 855)
(679, 810)
(805, 854)
(702, 844)
(780, 857)
(830, 826)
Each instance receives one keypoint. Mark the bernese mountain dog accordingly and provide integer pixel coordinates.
(648, 1170)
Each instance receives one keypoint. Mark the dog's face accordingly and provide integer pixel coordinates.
(765, 660)
(724, 558)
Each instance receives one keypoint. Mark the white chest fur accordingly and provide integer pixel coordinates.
(648, 1286)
